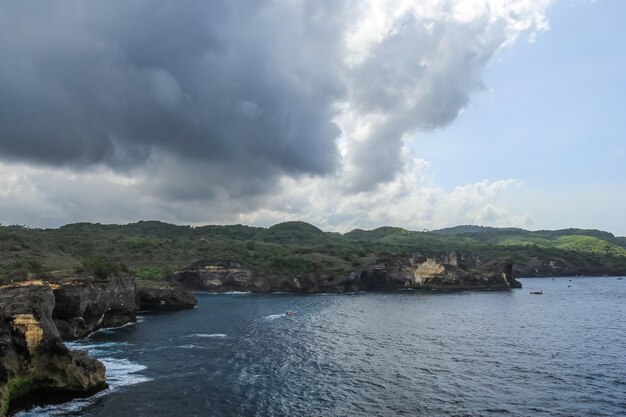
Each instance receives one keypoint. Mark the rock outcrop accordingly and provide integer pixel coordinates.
(35, 366)
(389, 273)
(232, 276)
(419, 272)
(160, 295)
(86, 304)
(36, 316)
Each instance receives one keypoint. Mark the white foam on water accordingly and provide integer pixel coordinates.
(122, 372)
(119, 373)
(186, 346)
(223, 292)
(98, 346)
(208, 335)
(274, 316)
(112, 329)
(59, 409)
(129, 324)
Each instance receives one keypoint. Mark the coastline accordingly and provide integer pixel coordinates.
(38, 317)
(84, 289)
(190, 335)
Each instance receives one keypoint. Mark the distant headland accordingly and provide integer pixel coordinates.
(154, 250)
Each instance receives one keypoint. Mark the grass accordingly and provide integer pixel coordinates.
(589, 244)
(15, 389)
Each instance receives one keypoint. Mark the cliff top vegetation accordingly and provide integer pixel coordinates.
(153, 249)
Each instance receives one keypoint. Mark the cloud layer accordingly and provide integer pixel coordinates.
(40, 197)
(240, 104)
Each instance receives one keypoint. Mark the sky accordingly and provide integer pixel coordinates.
(344, 113)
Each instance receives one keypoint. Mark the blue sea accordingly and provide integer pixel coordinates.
(405, 353)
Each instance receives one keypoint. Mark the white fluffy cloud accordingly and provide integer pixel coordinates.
(41, 197)
(411, 200)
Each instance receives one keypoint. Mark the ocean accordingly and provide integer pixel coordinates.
(404, 353)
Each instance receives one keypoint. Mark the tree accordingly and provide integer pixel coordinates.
(102, 267)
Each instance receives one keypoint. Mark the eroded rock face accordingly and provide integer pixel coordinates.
(224, 276)
(231, 276)
(419, 272)
(389, 273)
(35, 365)
(29, 326)
(427, 270)
(86, 304)
(159, 295)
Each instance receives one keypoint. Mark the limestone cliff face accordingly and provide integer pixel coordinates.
(389, 273)
(35, 365)
(427, 270)
(86, 304)
(419, 272)
(29, 326)
(222, 276)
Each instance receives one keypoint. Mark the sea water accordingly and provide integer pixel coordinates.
(562, 353)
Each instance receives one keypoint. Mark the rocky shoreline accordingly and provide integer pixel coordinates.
(384, 274)
(37, 316)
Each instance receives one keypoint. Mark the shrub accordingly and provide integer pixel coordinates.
(102, 267)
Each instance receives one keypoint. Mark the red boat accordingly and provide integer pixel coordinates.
(537, 292)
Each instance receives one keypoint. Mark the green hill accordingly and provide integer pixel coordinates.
(376, 234)
(293, 233)
(464, 229)
(152, 249)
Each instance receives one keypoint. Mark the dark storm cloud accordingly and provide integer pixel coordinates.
(235, 84)
(221, 99)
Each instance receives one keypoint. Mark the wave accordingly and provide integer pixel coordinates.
(222, 292)
(119, 373)
(209, 335)
(190, 346)
(274, 316)
(112, 329)
(122, 372)
(71, 408)
(94, 348)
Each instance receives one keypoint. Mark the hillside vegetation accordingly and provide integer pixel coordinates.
(152, 249)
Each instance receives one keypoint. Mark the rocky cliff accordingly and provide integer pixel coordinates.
(389, 273)
(35, 365)
(86, 304)
(559, 267)
(418, 272)
(159, 295)
(232, 276)
(35, 318)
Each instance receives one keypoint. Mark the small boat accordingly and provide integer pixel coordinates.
(537, 292)
(290, 313)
